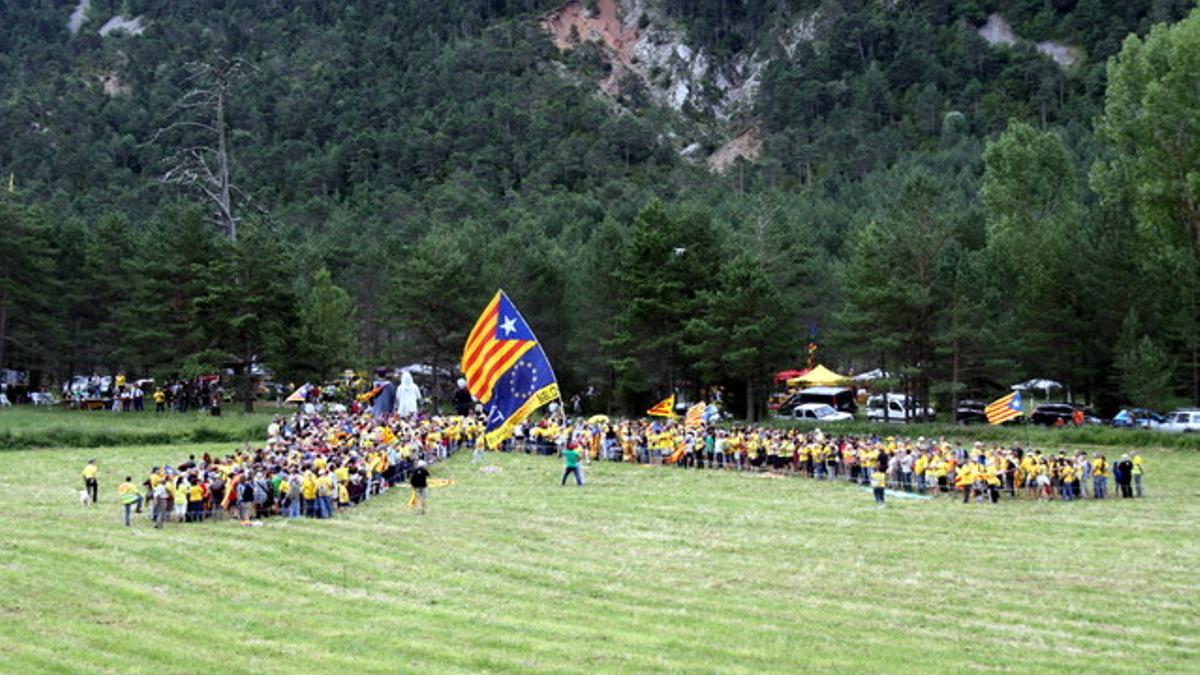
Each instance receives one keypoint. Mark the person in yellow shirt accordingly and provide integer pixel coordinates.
(90, 481)
(920, 466)
(181, 499)
(878, 486)
(129, 496)
(160, 401)
(308, 494)
(325, 495)
(195, 502)
(1066, 477)
(1139, 470)
(964, 479)
(1099, 477)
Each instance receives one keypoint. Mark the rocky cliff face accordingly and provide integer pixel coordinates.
(637, 41)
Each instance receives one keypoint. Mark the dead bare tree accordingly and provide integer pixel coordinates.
(203, 162)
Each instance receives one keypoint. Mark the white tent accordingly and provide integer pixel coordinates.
(870, 375)
(1041, 385)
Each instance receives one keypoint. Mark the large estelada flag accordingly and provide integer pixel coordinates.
(1004, 408)
(664, 408)
(695, 415)
(506, 369)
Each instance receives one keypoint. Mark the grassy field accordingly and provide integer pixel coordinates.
(36, 427)
(643, 569)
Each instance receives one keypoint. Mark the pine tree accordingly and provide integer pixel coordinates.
(327, 323)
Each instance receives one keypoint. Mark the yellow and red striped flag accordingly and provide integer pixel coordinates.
(1004, 408)
(493, 348)
(664, 408)
(695, 415)
(506, 368)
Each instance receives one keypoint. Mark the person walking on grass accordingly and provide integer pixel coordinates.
(90, 483)
(1123, 473)
(419, 480)
(128, 493)
(571, 465)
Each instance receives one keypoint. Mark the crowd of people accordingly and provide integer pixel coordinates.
(317, 465)
(920, 466)
(122, 395)
(311, 466)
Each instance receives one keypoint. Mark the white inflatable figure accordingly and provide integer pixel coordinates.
(407, 395)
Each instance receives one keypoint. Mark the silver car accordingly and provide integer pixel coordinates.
(1180, 421)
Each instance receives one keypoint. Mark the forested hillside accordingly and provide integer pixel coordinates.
(964, 193)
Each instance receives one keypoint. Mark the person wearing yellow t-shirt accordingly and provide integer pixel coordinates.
(129, 496)
(195, 501)
(964, 479)
(90, 481)
(181, 499)
(1138, 471)
(325, 495)
(160, 401)
(1099, 477)
(1067, 475)
(878, 486)
(308, 494)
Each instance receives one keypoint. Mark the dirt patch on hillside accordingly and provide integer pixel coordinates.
(746, 145)
(573, 23)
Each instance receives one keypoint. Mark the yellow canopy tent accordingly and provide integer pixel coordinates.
(817, 377)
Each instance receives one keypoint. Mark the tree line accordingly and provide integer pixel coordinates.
(949, 214)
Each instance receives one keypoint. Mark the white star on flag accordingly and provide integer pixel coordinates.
(509, 325)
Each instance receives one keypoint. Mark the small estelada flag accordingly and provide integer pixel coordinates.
(664, 408)
(1004, 408)
(695, 416)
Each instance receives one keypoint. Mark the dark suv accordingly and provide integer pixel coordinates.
(970, 412)
(1049, 414)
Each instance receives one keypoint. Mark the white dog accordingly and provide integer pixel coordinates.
(84, 498)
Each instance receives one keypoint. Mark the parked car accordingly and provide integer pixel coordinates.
(820, 412)
(839, 398)
(1049, 414)
(1181, 421)
(970, 412)
(896, 406)
(1143, 418)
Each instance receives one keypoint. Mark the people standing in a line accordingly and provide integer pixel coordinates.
(90, 481)
(129, 496)
(571, 465)
(419, 479)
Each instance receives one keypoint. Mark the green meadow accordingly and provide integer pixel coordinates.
(643, 569)
(50, 427)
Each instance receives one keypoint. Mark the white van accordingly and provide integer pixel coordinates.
(1181, 421)
(894, 412)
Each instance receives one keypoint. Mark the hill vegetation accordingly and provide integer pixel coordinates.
(960, 213)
